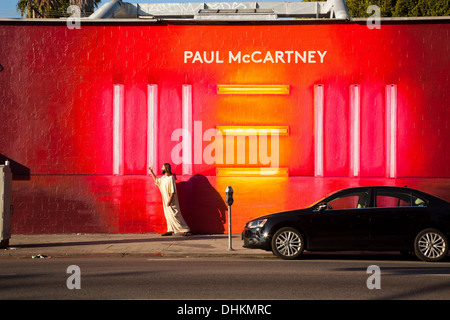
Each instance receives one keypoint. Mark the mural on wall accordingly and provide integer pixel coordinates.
(270, 108)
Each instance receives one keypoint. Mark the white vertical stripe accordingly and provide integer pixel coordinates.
(118, 127)
(152, 128)
(391, 131)
(355, 130)
(187, 128)
(318, 130)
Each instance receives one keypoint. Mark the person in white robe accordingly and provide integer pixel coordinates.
(172, 212)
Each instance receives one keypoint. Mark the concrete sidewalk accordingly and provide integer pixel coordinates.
(127, 245)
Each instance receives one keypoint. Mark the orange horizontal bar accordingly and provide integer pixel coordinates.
(252, 172)
(253, 89)
(253, 130)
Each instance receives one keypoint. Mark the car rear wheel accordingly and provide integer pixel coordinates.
(288, 243)
(431, 245)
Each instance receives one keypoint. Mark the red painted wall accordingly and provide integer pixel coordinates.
(56, 88)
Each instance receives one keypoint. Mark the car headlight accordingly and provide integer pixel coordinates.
(256, 223)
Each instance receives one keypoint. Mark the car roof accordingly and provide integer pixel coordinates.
(380, 187)
(398, 188)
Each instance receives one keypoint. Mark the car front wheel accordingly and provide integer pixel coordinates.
(288, 243)
(431, 245)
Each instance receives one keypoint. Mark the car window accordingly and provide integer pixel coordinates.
(389, 198)
(349, 201)
(418, 202)
(384, 201)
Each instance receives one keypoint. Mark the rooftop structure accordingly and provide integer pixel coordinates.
(218, 11)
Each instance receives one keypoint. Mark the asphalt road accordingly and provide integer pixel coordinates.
(313, 277)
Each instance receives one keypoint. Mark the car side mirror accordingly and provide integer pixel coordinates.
(321, 207)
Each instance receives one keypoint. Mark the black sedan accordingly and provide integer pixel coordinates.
(363, 218)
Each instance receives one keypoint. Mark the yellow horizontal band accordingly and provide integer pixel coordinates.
(252, 172)
(252, 89)
(253, 130)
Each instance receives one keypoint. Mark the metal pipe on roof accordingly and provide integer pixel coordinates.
(107, 10)
(340, 9)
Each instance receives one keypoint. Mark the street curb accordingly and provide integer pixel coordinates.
(136, 255)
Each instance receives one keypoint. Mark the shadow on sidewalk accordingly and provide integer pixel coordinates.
(121, 241)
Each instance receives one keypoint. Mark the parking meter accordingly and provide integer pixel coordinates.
(229, 200)
(229, 192)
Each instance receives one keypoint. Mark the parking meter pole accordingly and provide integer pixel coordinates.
(229, 229)
(229, 201)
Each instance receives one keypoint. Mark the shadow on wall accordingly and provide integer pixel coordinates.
(201, 205)
(19, 171)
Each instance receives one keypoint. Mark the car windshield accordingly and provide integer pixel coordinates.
(323, 198)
